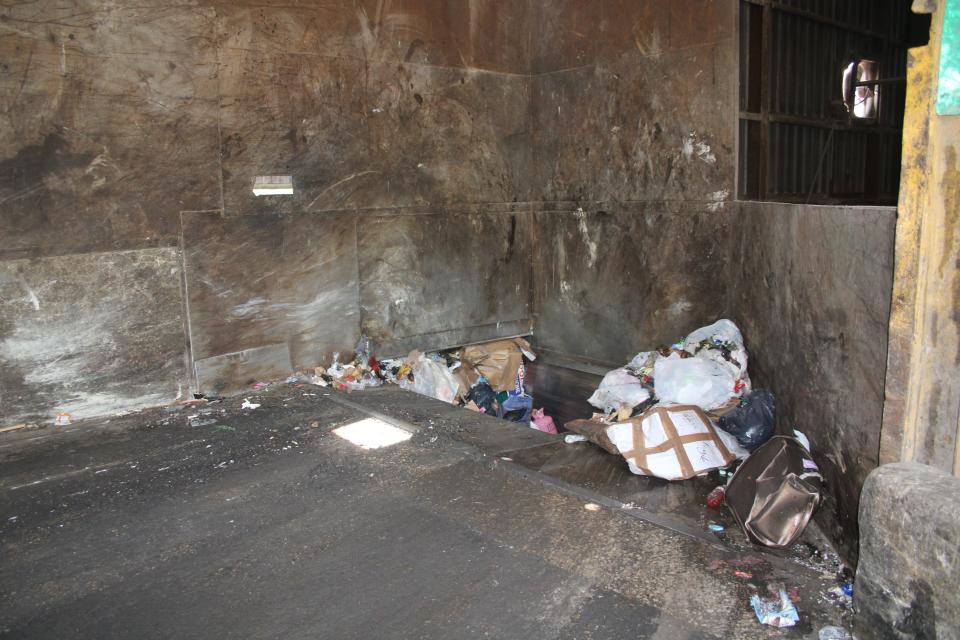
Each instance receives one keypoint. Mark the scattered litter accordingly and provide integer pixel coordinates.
(571, 438)
(623, 387)
(834, 633)
(517, 408)
(543, 422)
(315, 424)
(257, 386)
(592, 506)
(842, 597)
(716, 528)
(62, 419)
(199, 421)
(746, 575)
(15, 427)
(715, 498)
(249, 405)
(777, 612)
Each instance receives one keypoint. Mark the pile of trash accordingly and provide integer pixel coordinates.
(688, 409)
(487, 378)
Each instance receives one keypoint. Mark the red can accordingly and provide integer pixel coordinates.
(715, 498)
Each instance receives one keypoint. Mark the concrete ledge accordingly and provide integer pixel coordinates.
(908, 579)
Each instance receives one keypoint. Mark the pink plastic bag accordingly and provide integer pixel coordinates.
(543, 423)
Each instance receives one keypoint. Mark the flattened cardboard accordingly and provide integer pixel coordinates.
(498, 361)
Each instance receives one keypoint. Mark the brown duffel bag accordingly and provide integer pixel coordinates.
(774, 492)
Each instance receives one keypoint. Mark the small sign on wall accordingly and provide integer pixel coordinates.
(273, 186)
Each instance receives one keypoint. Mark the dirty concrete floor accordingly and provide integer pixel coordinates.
(264, 524)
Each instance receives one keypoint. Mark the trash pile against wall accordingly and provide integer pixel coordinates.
(487, 378)
(687, 409)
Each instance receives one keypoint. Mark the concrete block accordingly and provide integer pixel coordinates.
(908, 579)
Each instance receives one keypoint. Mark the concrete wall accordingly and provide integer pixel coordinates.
(129, 137)
(634, 114)
(811, 292)
(639, 240)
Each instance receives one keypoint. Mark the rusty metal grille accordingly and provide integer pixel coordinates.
(798, 141)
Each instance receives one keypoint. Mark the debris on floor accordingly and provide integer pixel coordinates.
(778, 611)
(676, 412)
(715, 498)
(688, 409)
(15, 427)
(486, 378)
(774, 492)
(834, 633)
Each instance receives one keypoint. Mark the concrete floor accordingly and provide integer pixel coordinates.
(263, 524)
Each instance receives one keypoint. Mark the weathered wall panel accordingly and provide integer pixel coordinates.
(613, 280)
(260, 280)
(641, 128)
(633, 115)
(477, 34)
(363, 135)
(115, 119)
(573, 33)
(441, 279)
(813, 291)
(108, 125)
(91, 334)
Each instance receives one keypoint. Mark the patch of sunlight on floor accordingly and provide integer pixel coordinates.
(371, 433)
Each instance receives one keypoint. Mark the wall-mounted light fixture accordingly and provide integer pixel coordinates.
(273, 186)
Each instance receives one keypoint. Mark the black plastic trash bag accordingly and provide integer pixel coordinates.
(752, 421)
(485, 397)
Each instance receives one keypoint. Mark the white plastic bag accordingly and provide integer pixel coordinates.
(720, 332)
(432, 378)
(619, 387)
(699, 381)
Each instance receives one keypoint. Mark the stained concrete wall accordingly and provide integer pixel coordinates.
(141, 127)
(639, 240)
(811, 292)
(634, 114)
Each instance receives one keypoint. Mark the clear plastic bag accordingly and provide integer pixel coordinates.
(697, 381)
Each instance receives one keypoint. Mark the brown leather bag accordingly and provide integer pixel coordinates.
(774, 492)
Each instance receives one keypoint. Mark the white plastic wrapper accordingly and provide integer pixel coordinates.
(619, 387)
